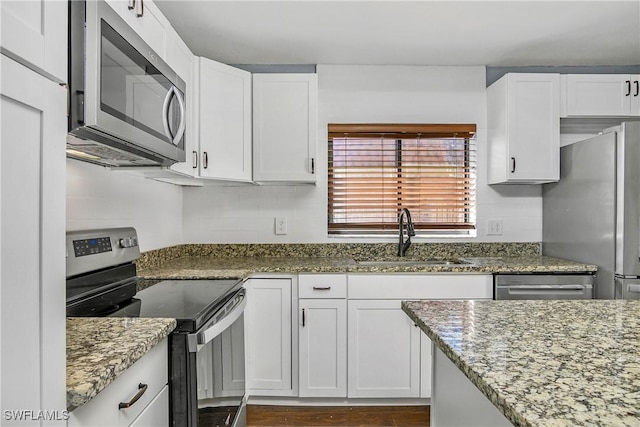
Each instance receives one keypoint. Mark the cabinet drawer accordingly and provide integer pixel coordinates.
(417, 286)
(322, 286)
(103, 410)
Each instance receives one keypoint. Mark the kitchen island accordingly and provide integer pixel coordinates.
(540, 363)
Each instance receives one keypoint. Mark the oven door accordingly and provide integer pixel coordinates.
(212, 390)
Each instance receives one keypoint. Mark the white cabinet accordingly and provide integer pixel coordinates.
(383, 349)
(32, 227)
(322, 330)
(183, 62)
(387, 354)
(285, 126)
(35, 34)
(524, 129)
(268, 323)
(426, 361)
(224, 121)
(146, 379)
(600, 95)
(146, 20)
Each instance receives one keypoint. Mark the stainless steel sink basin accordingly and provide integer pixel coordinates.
(417, 263)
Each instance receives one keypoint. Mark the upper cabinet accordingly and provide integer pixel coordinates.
(524, 129)
(146, 20)
(285, 125)
(183, 62)
(600, 95)
(224, 121)
(32, 34)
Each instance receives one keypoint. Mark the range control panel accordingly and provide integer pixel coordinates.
(91, 246)
(90, 250)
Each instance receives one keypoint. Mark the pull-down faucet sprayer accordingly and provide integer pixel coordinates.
(402, 244)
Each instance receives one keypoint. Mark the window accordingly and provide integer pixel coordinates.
(376, 170)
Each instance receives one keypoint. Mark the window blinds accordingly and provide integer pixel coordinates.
(377, 170)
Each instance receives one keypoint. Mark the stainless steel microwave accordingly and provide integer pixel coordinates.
(126, 105)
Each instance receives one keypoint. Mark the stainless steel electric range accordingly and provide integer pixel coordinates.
(206, 350)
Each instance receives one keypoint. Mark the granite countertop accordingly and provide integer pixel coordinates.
(100, 349)
(212, 267)
(544, 363)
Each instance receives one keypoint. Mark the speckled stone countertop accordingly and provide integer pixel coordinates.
(544, 363)
(212, 267)
(100, 349)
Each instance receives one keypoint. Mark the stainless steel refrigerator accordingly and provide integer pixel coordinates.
(592, 214)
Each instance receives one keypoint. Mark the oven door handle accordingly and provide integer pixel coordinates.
(204, 337)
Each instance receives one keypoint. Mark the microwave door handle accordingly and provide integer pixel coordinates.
(182, 126)
(216, 329)
(165, 114)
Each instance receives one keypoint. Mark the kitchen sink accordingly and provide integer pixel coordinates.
(400, 263)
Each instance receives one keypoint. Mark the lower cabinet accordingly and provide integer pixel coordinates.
(268, 326)
(384, 350)
(322, 328)
(323, 348)
(150, 374)
(345, 335)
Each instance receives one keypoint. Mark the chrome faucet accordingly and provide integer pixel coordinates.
(402, 244)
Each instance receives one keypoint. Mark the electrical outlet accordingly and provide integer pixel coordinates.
(281, 225)
(494, 227)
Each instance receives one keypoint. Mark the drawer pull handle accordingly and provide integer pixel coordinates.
(322, 288)
(141, 389)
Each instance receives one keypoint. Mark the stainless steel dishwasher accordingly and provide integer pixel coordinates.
(542, 286)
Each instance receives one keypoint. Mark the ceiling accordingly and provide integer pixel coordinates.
(492, 33)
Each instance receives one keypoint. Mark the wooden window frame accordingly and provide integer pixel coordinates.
(464, 205)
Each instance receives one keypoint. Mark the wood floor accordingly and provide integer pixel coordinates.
(344, 416)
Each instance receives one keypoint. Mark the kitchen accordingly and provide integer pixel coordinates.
(167, 215)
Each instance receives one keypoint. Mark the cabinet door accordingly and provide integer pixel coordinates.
(182, 61)
(149, 23)
(225, 121)
(599, 94)
(323, 347)
(426, 365)
(285, 126)
(268, 332)
(383, 350)
(34, 33)
(523, 112)
(32, 227)
(635, 95)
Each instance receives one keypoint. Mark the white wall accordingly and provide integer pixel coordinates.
(365, 94)
(99, 198)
